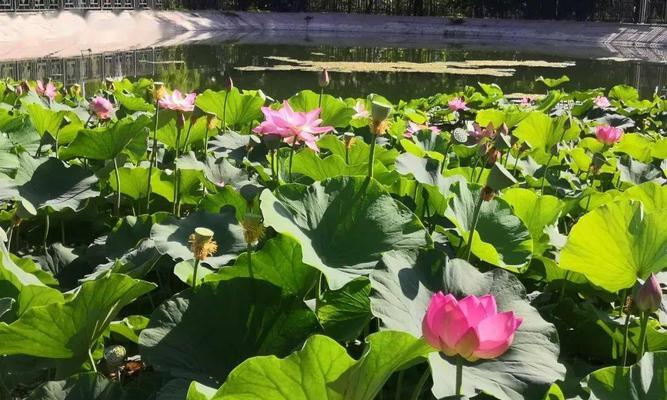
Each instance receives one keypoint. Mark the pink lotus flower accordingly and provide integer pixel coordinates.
(101, 107)
(478, 133)
(293, 126)
(608, 134)
(414, 128)
(361, 111)
(601, 102)
(49, 90)
(471, 327)
(177, 102)
(526, 101)
(457, 104)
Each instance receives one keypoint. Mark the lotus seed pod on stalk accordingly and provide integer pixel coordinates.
(202, 244)
(648, 296)
(115, 355)
(158, 90)
(379, 114)
(253, 229)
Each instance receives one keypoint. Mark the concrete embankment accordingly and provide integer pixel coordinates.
(66, 34)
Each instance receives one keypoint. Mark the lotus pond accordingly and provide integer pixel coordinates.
(229, 245)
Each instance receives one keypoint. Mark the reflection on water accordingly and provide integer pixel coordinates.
(202, 66)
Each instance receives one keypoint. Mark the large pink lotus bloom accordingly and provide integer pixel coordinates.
(601, 102)
(292, 125)
(471, 328)
(176, 102)
(49, 90)
(608, 134)
(361, 111)
(414, 128)
(457, 104)
(478, 133)
(101, 107)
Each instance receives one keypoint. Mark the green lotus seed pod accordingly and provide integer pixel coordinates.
(115, 355)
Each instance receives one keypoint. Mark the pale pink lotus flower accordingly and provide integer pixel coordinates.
(293, 125)
(457, 104)
(471, 327)
(414, 128)
(361, 111)
(176, 102)
(608, 134)
(601, 102)
(49, 90)
(526, 101)
(101, 107)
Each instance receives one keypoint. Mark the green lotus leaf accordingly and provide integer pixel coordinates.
(617, 243)
(308, 163)
(133, 103)
(636, 146)
(552, 83)
(133, 181)
(500, 238)
(345, 312)
(401, 293)
(44, 119)
(84, 386)
(322, 369)
(203, 335)
(536, 212)
(624, 93)
(645, 380)
(335, 112)
(342, 224)
(172, 236)
(542, 132)
(69, 330)
(48, 183)
(241, 109)
(359, 151)
(197, 391)
(105, 143)
(278, 262)
(652, 195)
(167, 132)
(6, 305)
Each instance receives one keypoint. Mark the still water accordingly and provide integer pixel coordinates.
(449, 67)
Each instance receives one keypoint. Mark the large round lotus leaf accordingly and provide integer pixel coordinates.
(48, 183)
(105, 143)
(500, 237)
(323, 370)
(643, 381)
(617, 243)
(85, 386)
(238, 109)
(172, 236)
(652, 195)
(344, 224)
(203, 335)
(401, 294)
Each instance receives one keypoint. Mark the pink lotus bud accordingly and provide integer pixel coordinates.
(649, 295)
(324, 78)
(471, 328)
(101, 108)
(229, 85)
(608, 134)
(601, 102)
(49, 90)
(457, 104)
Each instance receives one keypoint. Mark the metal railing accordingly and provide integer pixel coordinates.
(54, 5)
(84, 68)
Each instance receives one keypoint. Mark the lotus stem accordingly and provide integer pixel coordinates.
(153, 159)
(47, 224)
(38, 152)
(249, 251)
(421, 383)
(544, 177)
(626, 329)
(475, 218)
(273, 167)
(194, 275)
(319, 102)
(562, 288)
(177, 182)
(206, 141)
(56, 137)
(224, 112)
(459, 375)
(642, 334)
(187, 137)
(178, 142)
(446, 156)
(291, 155)
(10, 233)
(117, 173)
(62, 231)
(92, 360)
(399, 385)
(516, 162)
(371, 156)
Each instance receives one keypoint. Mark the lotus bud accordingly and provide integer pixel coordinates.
(115, 355)
(229, 84)
(500, 178)
(324, 78)
(202, 244)
(25, 88)
(253, 229)
(109, 83)
(649, 295)
(158, 90)
(75, 90)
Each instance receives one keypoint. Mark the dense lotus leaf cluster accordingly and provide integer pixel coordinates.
(159, 245)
